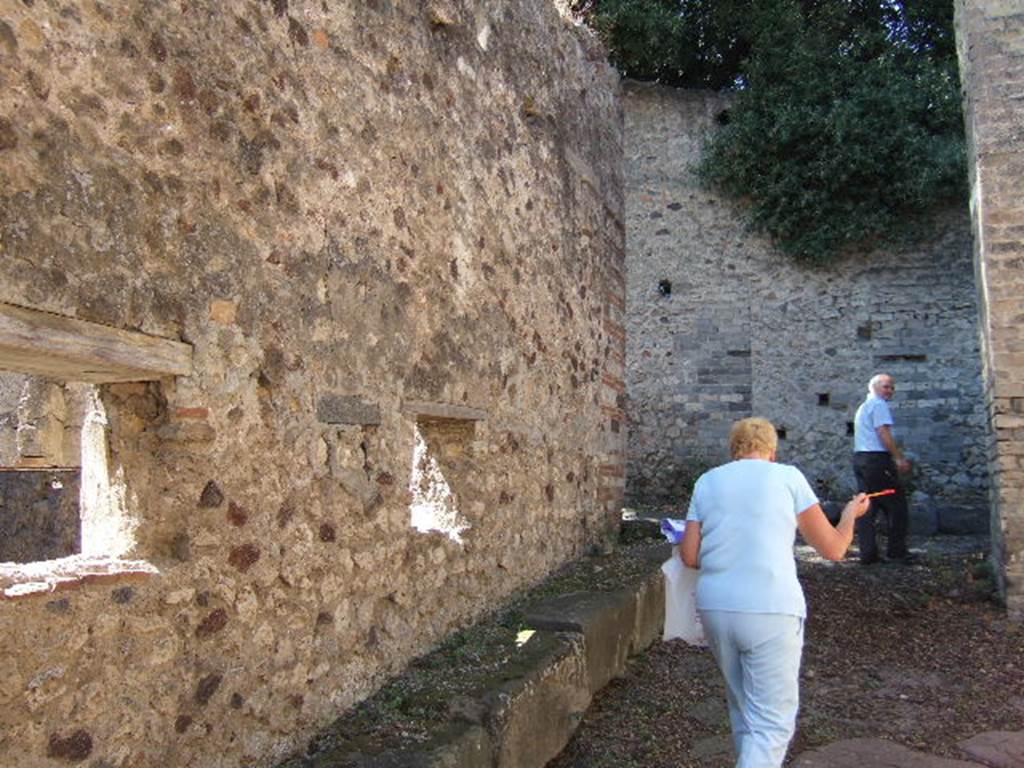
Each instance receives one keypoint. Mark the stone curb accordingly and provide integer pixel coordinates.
(581, 641)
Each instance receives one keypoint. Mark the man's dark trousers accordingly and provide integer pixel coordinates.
(876, 471)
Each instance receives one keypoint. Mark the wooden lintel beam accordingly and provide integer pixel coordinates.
(63, 348)
(443, 411)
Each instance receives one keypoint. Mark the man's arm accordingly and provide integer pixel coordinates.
(886, 436)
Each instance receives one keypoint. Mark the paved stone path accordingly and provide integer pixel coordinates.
(708, 744)
(995, 749)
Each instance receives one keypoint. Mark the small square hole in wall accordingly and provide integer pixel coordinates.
(665, 287)
(849, 428)
(780, 432)
(823, 398)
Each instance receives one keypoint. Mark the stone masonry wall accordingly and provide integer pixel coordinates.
(990, 36)
(745, 331)
(381, 225)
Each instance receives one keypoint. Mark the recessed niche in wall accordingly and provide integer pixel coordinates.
(441, 466)
(902, 358)
(665, 287)
(780, 432)
(849, 428)
(823, 398)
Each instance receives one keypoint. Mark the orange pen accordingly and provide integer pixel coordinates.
(886, 492)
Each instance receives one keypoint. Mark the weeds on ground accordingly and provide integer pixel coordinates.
(451, 679)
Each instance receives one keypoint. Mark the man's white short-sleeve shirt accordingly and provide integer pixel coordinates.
(873, 413)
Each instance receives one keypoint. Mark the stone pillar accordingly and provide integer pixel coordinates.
(990, 36)
(41, 416)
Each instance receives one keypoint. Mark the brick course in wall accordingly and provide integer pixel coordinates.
(722, 325)
(990, 36)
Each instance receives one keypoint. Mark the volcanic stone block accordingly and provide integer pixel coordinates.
(39, 517)
(998, 749)
(607, 621)
(650, 602)
(532, 716)
(347, 409)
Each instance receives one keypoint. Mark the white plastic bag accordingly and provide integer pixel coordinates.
(681, 617)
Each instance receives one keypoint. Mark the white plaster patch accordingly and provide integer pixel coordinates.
(464, 68)
(107, 528)
(483, 36)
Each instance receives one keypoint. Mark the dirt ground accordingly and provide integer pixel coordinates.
(919, 654)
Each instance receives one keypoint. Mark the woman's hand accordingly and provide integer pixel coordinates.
(857, 506)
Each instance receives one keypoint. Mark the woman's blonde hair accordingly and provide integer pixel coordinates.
(753, 435)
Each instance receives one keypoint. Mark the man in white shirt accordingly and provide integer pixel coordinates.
(877, 462)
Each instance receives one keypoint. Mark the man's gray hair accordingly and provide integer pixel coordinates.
(875, 381)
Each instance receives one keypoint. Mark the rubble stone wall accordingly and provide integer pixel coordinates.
(990, 37)
(745, 330)
(369, 219)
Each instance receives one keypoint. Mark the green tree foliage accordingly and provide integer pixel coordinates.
(846, 126)
(696, 44)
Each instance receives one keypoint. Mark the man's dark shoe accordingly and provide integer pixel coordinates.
(873, 560)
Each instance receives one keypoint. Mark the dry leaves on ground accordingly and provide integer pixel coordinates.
(919, 655)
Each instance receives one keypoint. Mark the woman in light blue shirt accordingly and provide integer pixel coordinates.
(740, 530)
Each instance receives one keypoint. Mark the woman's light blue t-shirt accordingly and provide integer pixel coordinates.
(748, 514)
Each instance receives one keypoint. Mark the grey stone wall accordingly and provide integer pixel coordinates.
(388, 230)
(746, 331)
(39, 517)
(990, 37)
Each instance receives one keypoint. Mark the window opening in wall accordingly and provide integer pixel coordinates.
(442, 466)
(434, 506)
(823, 398)
(665, 287)
(64, 427)
(57, 495)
